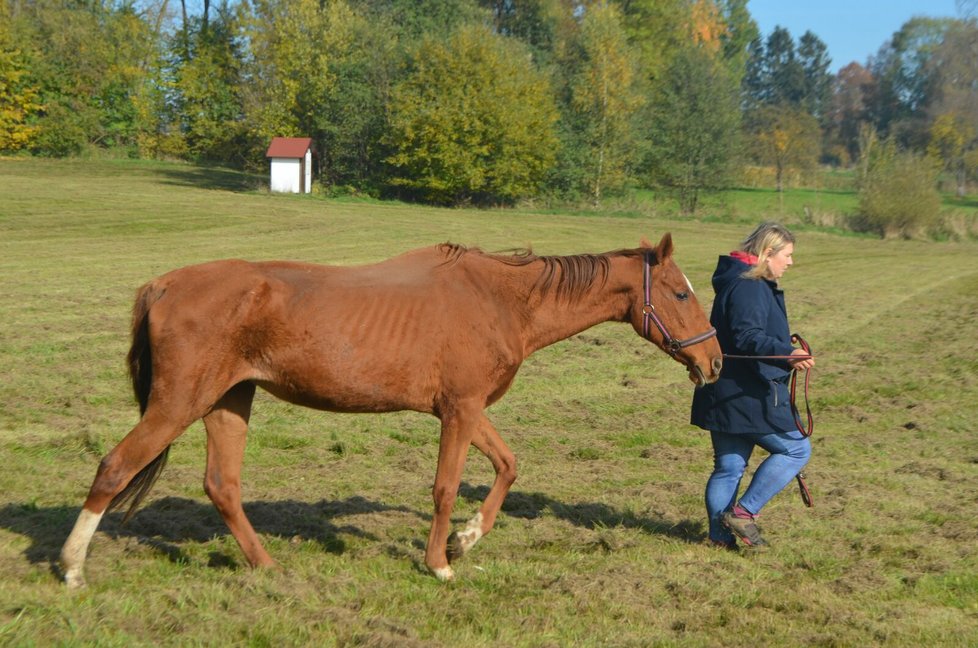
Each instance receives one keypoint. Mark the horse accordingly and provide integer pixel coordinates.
(440, 330)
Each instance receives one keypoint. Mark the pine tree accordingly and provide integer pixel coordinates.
(784, 72)
(815, 61)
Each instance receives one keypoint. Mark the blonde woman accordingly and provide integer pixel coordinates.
(749, 405)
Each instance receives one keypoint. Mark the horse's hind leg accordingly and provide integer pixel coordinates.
(227, 428)
(488, 441)
(147, 441)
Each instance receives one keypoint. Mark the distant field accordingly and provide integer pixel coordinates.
(600, 542)
(748, 205)
(827, 200)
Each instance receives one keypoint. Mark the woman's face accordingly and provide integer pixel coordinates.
(778, 262)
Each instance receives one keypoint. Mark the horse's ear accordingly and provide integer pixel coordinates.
(664, 249)
(645, 243)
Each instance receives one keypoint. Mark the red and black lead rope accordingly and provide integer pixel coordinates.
(807, 430)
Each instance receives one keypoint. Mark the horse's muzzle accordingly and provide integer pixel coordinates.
(699, 378)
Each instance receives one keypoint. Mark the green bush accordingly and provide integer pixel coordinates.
(898, 196)
(64, 129)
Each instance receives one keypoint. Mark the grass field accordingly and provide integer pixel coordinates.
(601, 541)
(827, 199)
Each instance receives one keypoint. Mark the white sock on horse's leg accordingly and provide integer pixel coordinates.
(76, 547)
(471, 534)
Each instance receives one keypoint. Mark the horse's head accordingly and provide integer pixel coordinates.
(668, 314)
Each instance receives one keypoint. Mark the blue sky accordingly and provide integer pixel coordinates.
(852, 29)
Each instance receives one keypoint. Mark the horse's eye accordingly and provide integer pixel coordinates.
(682, 296)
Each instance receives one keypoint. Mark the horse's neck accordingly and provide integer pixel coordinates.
(552, 319)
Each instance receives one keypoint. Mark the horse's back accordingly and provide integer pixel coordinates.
(391, 335)
(208, 281)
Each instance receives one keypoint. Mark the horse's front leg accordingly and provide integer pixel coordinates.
(459, 422)
(488, 441)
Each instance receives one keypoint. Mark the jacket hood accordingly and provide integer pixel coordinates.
(728, 270)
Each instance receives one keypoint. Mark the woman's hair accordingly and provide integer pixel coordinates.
(766, 239)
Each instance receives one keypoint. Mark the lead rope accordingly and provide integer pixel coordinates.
(806, 494)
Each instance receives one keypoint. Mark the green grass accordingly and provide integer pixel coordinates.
(601, 539)
(748, 205)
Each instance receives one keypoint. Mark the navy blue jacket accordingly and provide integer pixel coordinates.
(751, 396)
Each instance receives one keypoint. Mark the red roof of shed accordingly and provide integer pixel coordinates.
(288, 147)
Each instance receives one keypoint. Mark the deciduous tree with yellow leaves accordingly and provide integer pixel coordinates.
(473, 122)
(952, 141)
(19, 102)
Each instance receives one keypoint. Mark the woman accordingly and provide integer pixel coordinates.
(750, 405)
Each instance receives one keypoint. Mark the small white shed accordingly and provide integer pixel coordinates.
(291, 164)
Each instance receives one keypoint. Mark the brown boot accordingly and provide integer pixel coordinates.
(743, 527)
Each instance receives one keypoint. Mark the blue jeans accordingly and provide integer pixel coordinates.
(731, 452)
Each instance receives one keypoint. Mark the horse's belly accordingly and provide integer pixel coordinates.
(344, 401)
(337, 390)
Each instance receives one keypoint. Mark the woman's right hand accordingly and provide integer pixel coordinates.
(804, 362)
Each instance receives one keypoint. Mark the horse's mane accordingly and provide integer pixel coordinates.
(570, 276)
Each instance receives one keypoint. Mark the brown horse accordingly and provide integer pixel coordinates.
(441, 330)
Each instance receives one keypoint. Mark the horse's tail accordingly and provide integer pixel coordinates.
(140, 357)
(141, 373)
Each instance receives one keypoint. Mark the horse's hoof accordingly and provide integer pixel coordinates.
(444, 574)
(74, 579)
(454, 549)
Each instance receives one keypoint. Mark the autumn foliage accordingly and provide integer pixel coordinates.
(479, 101)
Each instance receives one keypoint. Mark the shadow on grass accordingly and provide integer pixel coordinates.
(167, 522)
(211, 178)
(590, 515)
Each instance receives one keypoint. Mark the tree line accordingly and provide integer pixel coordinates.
(483, 101)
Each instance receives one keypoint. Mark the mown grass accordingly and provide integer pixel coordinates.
(601, 540)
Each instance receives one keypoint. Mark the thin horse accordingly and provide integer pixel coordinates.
(441, 330)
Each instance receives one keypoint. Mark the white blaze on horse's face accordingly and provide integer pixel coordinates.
(689, 283)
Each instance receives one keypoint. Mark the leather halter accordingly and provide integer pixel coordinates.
(671, 344)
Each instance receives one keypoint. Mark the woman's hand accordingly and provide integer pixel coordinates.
(802, 362)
